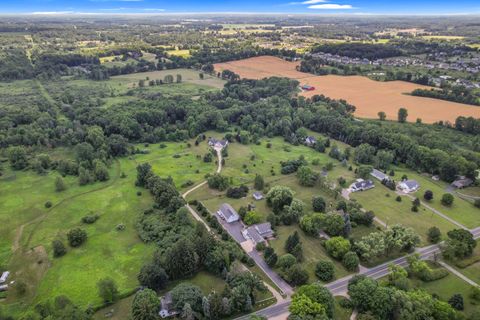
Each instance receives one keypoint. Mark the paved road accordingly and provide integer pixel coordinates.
(340, 286)
(282, 284)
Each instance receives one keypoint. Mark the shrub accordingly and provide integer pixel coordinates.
(434, 235)
(286, 261)
(428, 195)
(351, 261)
(260, 246)
(345, 303)
(237, 192)
(76, 237)
(139, 193)
(477, 203)
(252, 217)
(456, 301)
(447, 199)
(296, 275)
(325, 270)
(48, 204)
(337, 247)
(120, 227)
(59, 249)
(318, 204)
(91, 218)
(398, 199)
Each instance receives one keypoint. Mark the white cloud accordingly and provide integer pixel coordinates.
(153, 9)
(313, 1)
(331, 6)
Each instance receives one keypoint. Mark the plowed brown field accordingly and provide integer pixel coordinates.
(367, 95)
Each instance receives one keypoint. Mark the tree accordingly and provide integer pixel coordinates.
(107, 290)
(252, 217)
(402, 115)
(217, 181)
(351, 261)
(428, 195)
(17, 156)
(181, 260)
(144, 171)
(286, 261)
(319, 294)
(460, 244)
(456, 301)
(306, 176)
(318, 204)
(364, 171)
(272, 260)
(187, 293)
(258, 183)
(447, 199)
(145, 305)
(59, 249)
(416, 202)
(364, 153)
(384, 159)
(325, 270)
(76, 237)
(292, 241)
(60, 184)
(434, 235)
(278, 197)
(153, 276)
(333, 224)
(303, 307)
(296, 275)
(382, 116)
(337, 247)
(100, 170)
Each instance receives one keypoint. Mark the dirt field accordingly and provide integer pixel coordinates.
(367, 95)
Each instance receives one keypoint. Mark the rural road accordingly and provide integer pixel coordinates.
(340, 286)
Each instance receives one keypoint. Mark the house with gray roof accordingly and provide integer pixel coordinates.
(310, 141)
(4, 277)
(227, 213)
(462, 182)
(257, 195)
(258, 233)
(212, 142)
(361, 185)
(379, 175)
(408, 186)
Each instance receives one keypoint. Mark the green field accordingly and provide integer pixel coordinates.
(387, 209)
(30, 227)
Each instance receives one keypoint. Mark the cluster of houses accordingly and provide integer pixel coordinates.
(3, 281)
(439, 62)
(406, 186)
(257, 233)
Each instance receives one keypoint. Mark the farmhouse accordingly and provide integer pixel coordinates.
(4, 277)
(227, 213)
(409, 186)
(258, 233)
(257, 195)
(361, 185)
(310, 141)
(212, 142)
(379, 175)
(462, 182)
(166, 306)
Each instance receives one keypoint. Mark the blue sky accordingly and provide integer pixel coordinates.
(265, 6)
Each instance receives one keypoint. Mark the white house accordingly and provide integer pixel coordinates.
(310, 141)
(408, 186)
(227, 213)
(166, 306)
(218, 144)
(361, 185)
(257, 195)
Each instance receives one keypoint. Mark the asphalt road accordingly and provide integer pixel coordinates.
(340, 286)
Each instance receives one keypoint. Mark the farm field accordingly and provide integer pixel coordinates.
(369, 96)
(107, 252)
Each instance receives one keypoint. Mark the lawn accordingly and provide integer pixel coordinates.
(387, 209)
(461, 210)
(447, 287)
(107, 252)
(341, 313)
(312, 251)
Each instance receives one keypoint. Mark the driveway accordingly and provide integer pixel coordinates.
(234, 229)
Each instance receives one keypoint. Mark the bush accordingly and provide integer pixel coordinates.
(337, 247)
(351, 261)
(398, 199)
(59, 249)
(120, 227)
(237, 192)
(296, 275)
(456, 301)
(286, 261)
(91, 218)
(76, 237)
(139, 193)
(318, 204)
(428, 195)
(252, 217)
(260, 246)
(434, 235)
(48, 204)
(345, 303)
(325, 270)
(447, 199)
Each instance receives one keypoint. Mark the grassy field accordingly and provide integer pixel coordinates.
(341, 313)
(461, 210)
(381, 201)
(107, 252)
(188, 75)
(179, 53)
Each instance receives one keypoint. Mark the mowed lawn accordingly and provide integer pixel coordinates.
(392, 212)
(107, 252)
(461, 210)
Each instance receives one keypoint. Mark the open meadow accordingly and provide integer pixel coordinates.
(369, 96)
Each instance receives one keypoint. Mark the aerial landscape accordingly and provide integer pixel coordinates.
(308, 160)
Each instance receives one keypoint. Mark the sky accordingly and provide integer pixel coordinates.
(417, 7)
